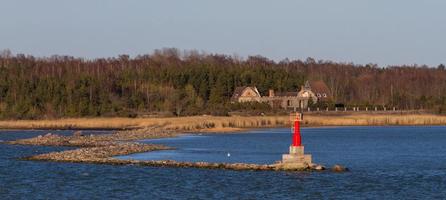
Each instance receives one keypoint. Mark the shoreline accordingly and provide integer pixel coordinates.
(224, 124)
(224, 131)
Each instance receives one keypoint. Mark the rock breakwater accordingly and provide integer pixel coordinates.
(101, 149)
(79, 139)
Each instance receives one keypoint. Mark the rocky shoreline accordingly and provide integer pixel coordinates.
(78, 139)
(101, 149)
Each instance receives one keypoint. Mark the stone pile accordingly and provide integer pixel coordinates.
(80, 157)
(339, 168)
(78, 139)
(98, 154)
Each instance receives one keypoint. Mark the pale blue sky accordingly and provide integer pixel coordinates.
(361, 31)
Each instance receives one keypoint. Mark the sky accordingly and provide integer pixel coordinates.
(385, 32)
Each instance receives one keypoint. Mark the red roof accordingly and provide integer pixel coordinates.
(320, 87)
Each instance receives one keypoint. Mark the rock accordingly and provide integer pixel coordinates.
(40, 136)
(278, 162)
(48, 135)
(339, 168)
(78, 134)
(319, 167)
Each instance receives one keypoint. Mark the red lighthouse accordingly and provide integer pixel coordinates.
(297, 140)
(296, 159)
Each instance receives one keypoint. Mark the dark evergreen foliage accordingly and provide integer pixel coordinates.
(190, 83)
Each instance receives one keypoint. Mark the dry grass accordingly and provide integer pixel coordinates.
(376, 120)
(211, 123)
(175, 123)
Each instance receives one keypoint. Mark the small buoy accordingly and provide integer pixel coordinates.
(229, 155)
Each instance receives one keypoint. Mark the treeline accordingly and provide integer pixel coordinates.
(190, 83)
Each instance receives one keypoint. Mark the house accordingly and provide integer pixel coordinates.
(320, 90)
(246, 94)
(286, 100)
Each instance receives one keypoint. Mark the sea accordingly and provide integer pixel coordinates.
(400, 162)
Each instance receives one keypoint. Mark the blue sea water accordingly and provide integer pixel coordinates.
(385, 163)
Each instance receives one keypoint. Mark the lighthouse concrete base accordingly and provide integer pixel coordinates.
(296, 159)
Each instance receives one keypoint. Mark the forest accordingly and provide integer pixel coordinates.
(182, 83)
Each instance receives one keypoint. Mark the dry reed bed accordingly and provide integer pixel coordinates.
(224, 123)
(376, 120)
(174, 123)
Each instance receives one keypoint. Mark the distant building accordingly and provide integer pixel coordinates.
(320, 90)
(317, 91)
